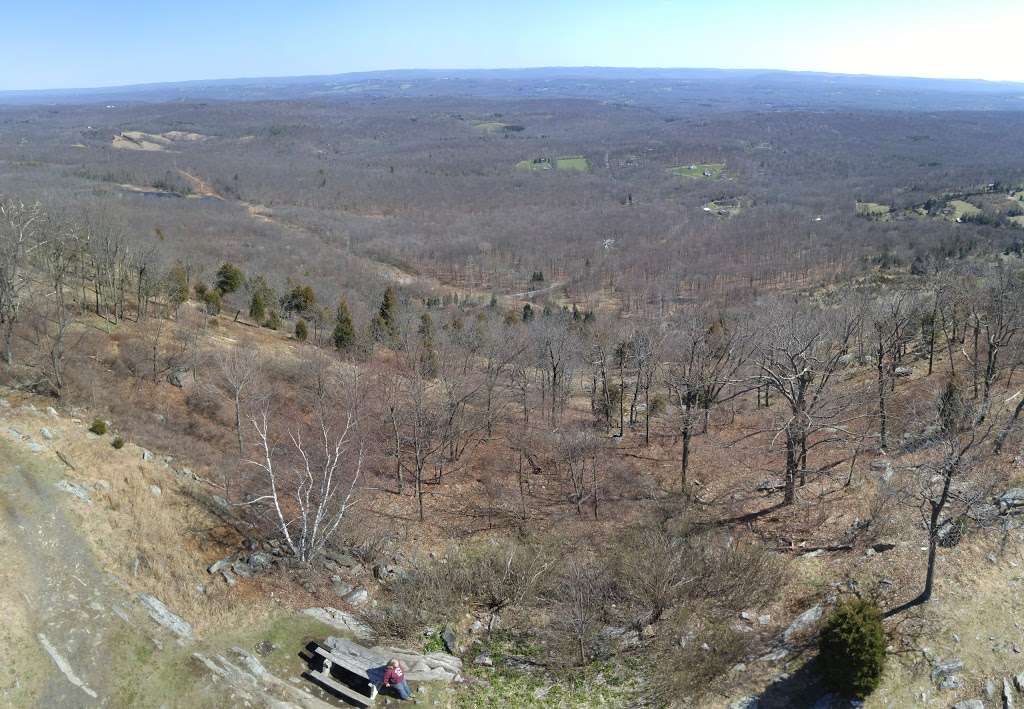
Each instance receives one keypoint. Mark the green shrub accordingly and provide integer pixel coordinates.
(99, 427)
(301, 330)
(118, 443)
(229, 278)
(852, 648)
(213, 302)
(434, 643)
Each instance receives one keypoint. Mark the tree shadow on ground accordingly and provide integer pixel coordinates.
(802, 688)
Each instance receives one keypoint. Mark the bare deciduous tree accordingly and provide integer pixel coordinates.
(309, 474)
(952, 485)
(240, 369)
(799, 355)
(19, 225)
(706, 354)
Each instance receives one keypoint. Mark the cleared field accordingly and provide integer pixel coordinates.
(567, 163)
(957, 209)
(724, 207)
(872, 209)
(575, 163)
(708, 170)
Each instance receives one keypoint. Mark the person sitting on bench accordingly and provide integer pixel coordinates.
(394, 677)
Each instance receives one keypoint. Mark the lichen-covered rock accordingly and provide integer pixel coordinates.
(162, 615)
(803, 622)
(345, 622)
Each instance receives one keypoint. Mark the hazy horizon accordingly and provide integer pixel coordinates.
(510, 69)
(63, 45)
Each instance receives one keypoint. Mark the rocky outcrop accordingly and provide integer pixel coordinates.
(340, 620)
(73, 488)
(803, 623)
(1011, 500)
(162, 615)
(252, 685)
(970, 704)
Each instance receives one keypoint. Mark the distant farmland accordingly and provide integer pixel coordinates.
(708, 170)
(566, 163)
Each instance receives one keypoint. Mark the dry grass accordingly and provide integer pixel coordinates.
(21, 657)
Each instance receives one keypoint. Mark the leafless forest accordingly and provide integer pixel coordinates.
(598, 370)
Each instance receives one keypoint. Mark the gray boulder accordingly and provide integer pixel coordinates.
(386, 572)
(902, 371)
(345, 561)
(358, 597)
(771, 485)
(449, 640)
(73, 489)
(970, 704)
(177, 377)
(951, 682)
(803, 622)
(220, 564)
(260, 561)
(946, 669)
(340, 620)
(1011, 499)
(162, 615)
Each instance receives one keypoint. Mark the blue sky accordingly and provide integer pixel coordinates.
(79, 43)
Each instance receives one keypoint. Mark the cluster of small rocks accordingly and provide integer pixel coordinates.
(244, 565)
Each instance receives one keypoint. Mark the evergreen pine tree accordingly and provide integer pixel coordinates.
(344, 334)
(229, 278)
(852, 648)
(257, 308)
(385, 323)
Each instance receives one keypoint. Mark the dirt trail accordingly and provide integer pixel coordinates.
(200, 186)
(67, 606)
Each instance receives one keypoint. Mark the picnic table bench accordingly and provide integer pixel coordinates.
(351, 674)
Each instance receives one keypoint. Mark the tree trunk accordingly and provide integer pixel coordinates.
(883, 441)
(791, 469)
(685, 462)
(647, 415)
(238, 423)
(419, 493)
(9, 342)
(929, 579)
(1001, 438)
